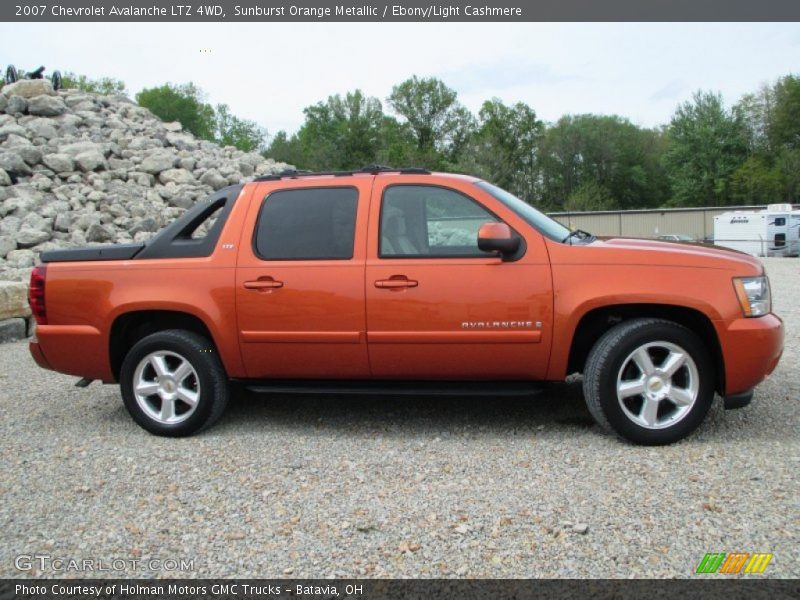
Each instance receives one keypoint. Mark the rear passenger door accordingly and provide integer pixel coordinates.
(300, 281)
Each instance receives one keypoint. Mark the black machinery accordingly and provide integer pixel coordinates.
(12, 75)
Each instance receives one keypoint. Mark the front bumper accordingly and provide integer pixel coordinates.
(751, 349)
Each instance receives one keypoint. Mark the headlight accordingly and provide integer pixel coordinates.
(754, 295)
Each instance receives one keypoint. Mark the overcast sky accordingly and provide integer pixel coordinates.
(269, 72)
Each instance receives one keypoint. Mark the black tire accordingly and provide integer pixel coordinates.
(207, 381)
(55, 79)
(614, 351)
(11, 74)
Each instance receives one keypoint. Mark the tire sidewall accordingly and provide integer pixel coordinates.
(198, 359)
(655, 332)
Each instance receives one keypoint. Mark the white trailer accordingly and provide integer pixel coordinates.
(774, 231)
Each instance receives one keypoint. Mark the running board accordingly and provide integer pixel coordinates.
(396, 388)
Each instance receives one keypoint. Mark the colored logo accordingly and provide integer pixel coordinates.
(734, 563)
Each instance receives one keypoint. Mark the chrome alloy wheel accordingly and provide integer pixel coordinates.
(657, 385)
(166, 387)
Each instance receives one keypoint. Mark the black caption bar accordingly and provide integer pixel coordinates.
(385, 589)
(399, 10)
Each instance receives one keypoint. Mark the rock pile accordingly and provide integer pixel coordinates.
(79, 169)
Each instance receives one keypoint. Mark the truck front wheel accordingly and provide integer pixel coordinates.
(649, 380)
(173, 383)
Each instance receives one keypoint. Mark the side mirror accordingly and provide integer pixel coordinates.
(497, 237)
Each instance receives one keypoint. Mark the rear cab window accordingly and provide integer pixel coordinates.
(307, 224)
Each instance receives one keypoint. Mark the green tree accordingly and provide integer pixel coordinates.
(183, 103)
(755, 112)
(505, 147)
(342, 133)
(784, 123)
(788, 163)
(757, 181)
(230, 130)
(440, 125)
(286, 148)
(601, 160)
(707, 144)
(590, 196)
(102, 85)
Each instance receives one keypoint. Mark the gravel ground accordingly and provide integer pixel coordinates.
(387, 487)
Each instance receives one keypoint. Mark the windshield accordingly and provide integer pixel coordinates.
(544, 224)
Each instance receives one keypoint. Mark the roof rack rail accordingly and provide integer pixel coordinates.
(369, 169)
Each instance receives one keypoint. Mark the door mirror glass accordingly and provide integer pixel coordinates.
(497, 237)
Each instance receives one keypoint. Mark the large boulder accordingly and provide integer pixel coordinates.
(42, 128)
(46, 106)
(11, 129)
(12, 330)
(183, 141)
(16, 105)
(157, 162)
(22, 146)
(20, 259)
(7, 244)
(28, 88)
(76, 148)
(28, 238)
(213, 179)
(12, 163)
(60, 163)
(91, 160)
(14, 300)
(176, 176)
(99, 233)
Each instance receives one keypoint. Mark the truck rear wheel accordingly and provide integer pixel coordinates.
(649, 380)
(173, 383)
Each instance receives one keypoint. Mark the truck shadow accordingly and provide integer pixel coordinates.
(558, 404)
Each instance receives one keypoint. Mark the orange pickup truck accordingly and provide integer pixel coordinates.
(404, 281)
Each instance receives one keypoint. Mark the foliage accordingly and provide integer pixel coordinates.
(783, 124)
(183, 103)
(707, 144)
(186, 104)
(439, 124)
(505, 147)
(590, 196)
(618, 159)
(102, 85)
(230, 130)
(756, 182)
(343, 133)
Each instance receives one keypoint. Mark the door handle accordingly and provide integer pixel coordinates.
(263, 283)
(396, 282)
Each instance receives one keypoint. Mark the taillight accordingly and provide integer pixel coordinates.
(36, 294)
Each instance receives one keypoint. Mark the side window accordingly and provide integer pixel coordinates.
(203, 228)
(429, 221)
(780, 221)
(307, 224)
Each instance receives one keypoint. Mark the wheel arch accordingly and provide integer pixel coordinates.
(129, 327)
(595, 322)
